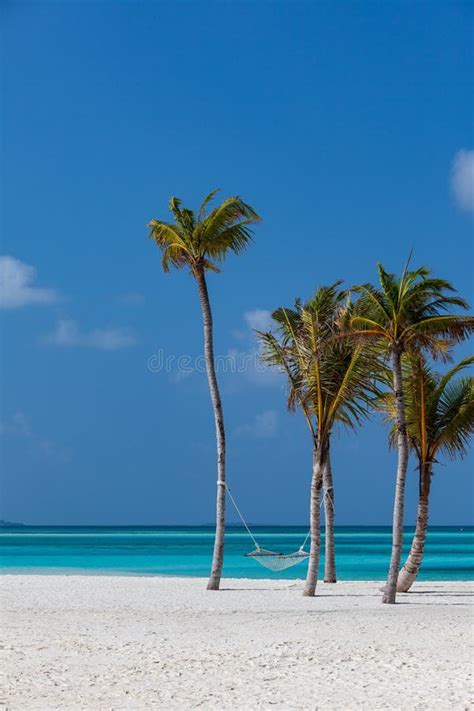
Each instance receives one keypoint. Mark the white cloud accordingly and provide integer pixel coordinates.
(17, 285)
(264, 426)
(258, 320)
(68, 334)
(131, 298)
(18, 425)
(179, 375)
(247, 358)
(462, 179)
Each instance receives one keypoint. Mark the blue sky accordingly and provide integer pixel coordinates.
(347, 125)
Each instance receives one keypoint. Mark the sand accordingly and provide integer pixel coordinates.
(110, 642)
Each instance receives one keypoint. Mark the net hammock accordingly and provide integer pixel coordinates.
(272, 560)
(277, 561)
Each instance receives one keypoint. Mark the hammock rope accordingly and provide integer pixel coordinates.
(239, 513)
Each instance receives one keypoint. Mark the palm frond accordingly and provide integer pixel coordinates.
(455, 422)
(449, 375)
(390, 293)
(454, 328)
(234, 239)
(170, 239)
(205, 203)
(230, 212)
(372, 303)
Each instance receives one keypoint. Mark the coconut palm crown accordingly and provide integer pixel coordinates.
(201, 241)
(411, 313)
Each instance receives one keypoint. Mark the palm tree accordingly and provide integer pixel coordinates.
(201, 242)
(409, 314)
(330, 380)
(440, 420)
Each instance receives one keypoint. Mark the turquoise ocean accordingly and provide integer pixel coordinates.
(362, 552)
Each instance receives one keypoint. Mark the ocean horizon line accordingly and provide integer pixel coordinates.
(6, 525)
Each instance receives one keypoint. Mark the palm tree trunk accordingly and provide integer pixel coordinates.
(390, 590)
(315, 521)
(409, 572)
(218, 553)
(329, 557)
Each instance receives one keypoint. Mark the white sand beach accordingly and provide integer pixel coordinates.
(105, 642)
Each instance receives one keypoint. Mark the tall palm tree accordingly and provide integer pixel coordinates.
(330, 380)
(201, 242)
(409, 314)
(440, 420)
